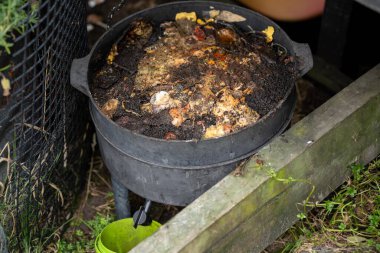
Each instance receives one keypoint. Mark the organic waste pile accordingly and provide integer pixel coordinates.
(192, 78)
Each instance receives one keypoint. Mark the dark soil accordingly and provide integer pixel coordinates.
(269, 74)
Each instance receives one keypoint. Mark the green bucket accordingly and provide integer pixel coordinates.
(120, 236)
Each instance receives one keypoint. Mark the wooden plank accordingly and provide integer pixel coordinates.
(246, 213)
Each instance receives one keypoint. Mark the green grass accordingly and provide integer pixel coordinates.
(348, 218)
(83, 233)
(13, 18)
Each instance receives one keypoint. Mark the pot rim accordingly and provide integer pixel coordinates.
(206, 4)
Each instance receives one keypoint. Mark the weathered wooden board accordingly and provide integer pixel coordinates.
(246, 213)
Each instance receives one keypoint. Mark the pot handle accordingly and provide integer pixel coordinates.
(78, 75)
(305, 57)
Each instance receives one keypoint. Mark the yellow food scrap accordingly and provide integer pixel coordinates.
(214, 13)
(150, 51)
(201, 22)
(6, 85)
(269, 31)
(198, 53)
(110, 107)
(248, 91)
(214, 131)
(204, 22)
(192, 16)
(111, 56)
(147, 107)
(177, 61)
(210, 48)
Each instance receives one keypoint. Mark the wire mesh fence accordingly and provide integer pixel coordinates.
(44, 140)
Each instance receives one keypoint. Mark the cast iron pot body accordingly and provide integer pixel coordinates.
(176, 172)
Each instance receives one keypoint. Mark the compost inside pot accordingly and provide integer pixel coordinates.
(192, 78)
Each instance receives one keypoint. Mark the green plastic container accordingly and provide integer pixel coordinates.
(120, 236)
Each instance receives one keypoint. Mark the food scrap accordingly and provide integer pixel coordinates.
(111, 56)
(195, 78)
(231, 17)
(192, 16)
(269, 31)
(161, 101)
(110, 107)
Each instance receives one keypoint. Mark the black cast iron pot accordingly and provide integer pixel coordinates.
(176, 172)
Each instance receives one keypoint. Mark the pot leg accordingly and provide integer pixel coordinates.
(120, 192)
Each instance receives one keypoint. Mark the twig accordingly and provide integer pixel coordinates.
(130, 111)
(88, 184)
(34, 127)
(104, 181)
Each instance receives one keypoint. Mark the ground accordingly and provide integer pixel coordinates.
(347, 221)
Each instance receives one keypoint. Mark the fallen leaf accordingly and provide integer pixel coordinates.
(356, 239)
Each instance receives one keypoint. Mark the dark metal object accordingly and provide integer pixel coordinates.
(177, 172)
(120, 193)
(141, 217)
